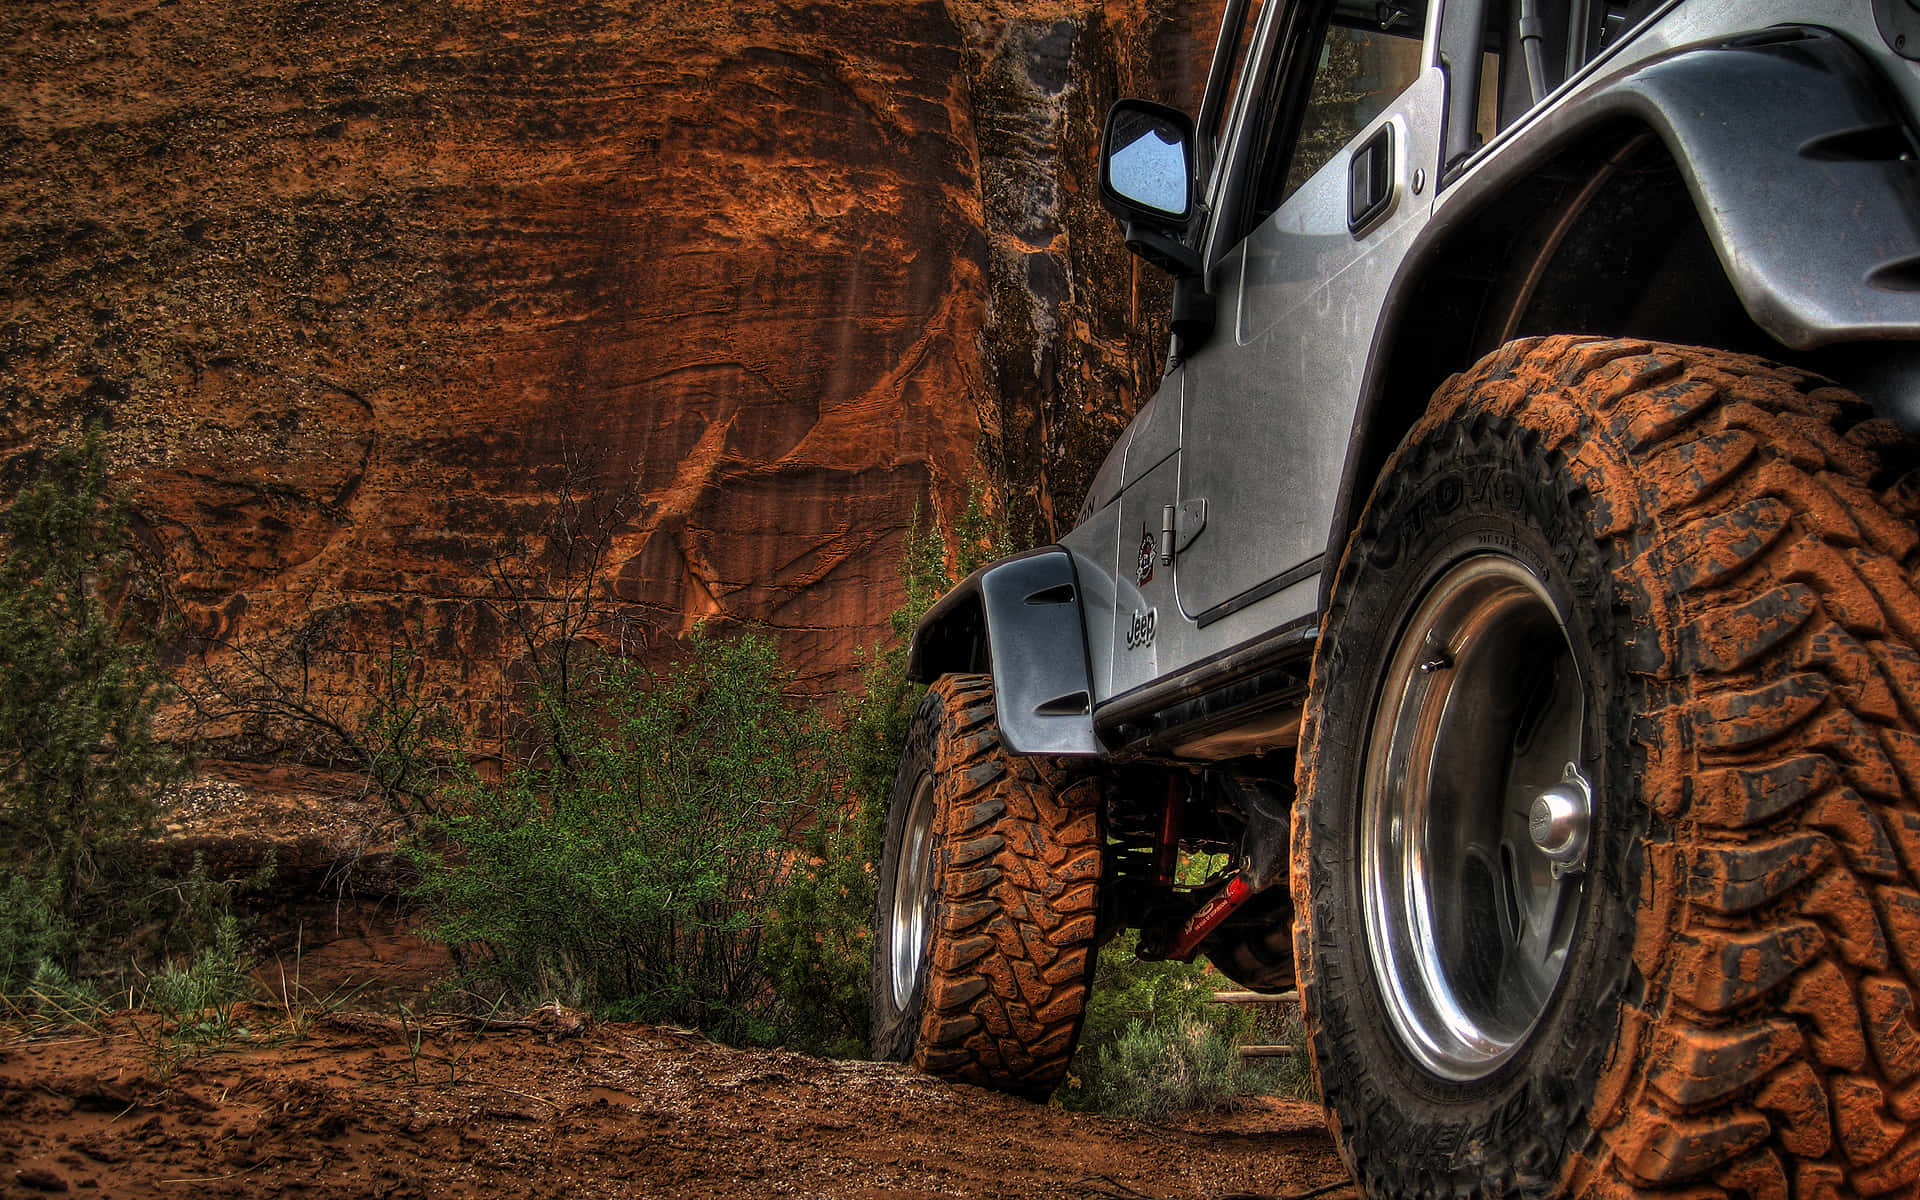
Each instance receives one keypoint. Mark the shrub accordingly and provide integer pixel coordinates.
(1154, 1042)
(818, 952)
(80, 768)
(81, 771)
(635, 873)
(51, 999)
(1150, 1071)
(818, 946)
(34, 934)
(204, 989)
(1290, 1076)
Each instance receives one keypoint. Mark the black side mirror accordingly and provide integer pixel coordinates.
(1146, 163)
(1146, 179)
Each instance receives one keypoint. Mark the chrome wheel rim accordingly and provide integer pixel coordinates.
(912, 894)
(1473, 818)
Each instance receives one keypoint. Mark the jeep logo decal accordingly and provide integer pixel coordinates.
(1140, 630)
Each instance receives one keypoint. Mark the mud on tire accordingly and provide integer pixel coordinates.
(1731, 547)
(1004, 853)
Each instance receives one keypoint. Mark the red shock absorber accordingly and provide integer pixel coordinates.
(1237, 892)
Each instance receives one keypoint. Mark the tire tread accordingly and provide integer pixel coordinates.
(1761, 525)
(1795, 668)
(1007, 982)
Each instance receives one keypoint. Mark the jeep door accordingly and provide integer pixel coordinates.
(1330, 178)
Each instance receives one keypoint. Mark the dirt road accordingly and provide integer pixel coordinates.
(556, 1107)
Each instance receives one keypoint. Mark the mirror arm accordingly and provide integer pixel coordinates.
(1162, 251)
(1194, 311)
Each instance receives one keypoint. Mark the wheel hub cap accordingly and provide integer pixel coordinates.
(1474, 817)
(1558, 822)
(911, 926)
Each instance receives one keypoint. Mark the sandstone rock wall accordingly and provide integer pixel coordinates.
(371, 295)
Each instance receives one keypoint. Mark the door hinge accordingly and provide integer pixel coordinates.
(1179, 525)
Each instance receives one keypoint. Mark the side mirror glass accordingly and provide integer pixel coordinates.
(1146, 163)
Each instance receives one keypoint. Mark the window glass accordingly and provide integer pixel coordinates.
(1486, 121)
(1216, 127)
(1514, 78)
(1360, 73)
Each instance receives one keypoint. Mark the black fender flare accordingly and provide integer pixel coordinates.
(1765, 129)
(1790, 130)
(1021, 619)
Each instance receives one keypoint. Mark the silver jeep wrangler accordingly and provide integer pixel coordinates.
(1512, 582)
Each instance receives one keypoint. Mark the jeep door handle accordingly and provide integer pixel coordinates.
(1370, 181)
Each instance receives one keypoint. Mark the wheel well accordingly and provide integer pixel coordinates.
(957, 644)
(1604, 238)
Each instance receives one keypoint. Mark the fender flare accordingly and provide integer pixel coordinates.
(1764, 130)
(1021, 619)
(1811, 132)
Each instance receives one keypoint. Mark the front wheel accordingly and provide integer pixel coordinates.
(987, 899)
(1611, 742)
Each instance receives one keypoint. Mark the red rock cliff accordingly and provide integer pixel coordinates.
(363, 290)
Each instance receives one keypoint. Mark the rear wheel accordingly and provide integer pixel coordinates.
(1605, 869)
(987, 898)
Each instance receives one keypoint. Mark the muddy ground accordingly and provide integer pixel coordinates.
(358, 1105)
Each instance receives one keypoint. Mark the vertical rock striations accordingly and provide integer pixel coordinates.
(369, 295)
(1076, 327)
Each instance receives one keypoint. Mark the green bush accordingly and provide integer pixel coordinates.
(684, 845)
(52, 999)
(1290, 1076)
(34, 933)
(1151, 1071)
(636, 872)
(81, 771)
(819, 937)
(1154, 1043)
(204, 988)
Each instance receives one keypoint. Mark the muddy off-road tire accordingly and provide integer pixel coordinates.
(988, 890)
(1690, 574)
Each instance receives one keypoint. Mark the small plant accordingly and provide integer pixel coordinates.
(196, 1006)
(50, 1000)
(198, 1002)
(412, 1037)
(1155, 1043)
(33, 931)
(414, 1028)
(300, 1006)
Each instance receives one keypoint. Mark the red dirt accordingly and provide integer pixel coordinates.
(555, 1106)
